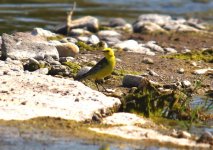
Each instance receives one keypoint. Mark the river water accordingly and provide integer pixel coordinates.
(22, 15)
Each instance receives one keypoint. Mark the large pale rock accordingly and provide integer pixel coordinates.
(31, 95)
(147, 27)
(24, 46)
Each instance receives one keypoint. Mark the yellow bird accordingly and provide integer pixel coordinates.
(102, 69)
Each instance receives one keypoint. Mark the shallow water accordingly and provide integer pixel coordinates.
(22, 15)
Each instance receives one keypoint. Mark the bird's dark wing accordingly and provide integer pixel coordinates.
(99, 66)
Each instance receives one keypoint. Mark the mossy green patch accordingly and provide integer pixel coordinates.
(74, 67)
(57, 38)
(83, 46)
(148, 100)
(122, 72)
(206, 55)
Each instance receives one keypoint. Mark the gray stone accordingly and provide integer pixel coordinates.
(42, 32)
(153, 46)
(153, 73)
(111, 40)
(155, 18)
(147, 27)
(108, 33)
(46, 96)
(72, 40)
(59, 70)
(148, 60)
(117, 22)
(132, 80)
(79, 32)
(66, 59)
(16, 47)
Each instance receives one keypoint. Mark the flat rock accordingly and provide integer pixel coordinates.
(137, 133)
(128, 45)
(155, 18)
(132, 80)
(25, 45)
(123, 118)
(147, 27)
(31, 95)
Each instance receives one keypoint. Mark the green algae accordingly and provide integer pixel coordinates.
(83, 46)
(57, 38)
(149, 101)
(74, 67)
(206, 55)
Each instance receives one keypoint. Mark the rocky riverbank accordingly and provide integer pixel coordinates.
(161, 63)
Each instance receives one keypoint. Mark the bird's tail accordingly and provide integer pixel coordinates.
(80, 77)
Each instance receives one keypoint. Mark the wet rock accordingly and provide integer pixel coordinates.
(129, 45)
(79, 32)
(147, 60)
(20, 47)
(42, 32)
(67, 49)
(206, 137)
(93, 39)
(170, 50)
(181, 70)
(138, 133)
(88, 22)
(147, 27)
(45, 96)
(108, 33)
(155, 18)
(153, 46)
(115, 22)
(132, 80)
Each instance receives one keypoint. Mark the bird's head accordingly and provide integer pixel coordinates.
(108, 52)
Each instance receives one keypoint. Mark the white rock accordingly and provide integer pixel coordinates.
(154, 47)
(170, 50)
(193, 63)
(123, 118)
(36, 95)
(42, 71)
(79, 32)
(147, 27)
(202, 71)
(42, 32)
(108, 33)
(93, 39)
(186, 83)
(129, 45)
(180, 70)
(148, 60)
(84, 39)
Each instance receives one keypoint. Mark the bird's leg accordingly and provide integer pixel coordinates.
(100, 82)
(96, 83)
